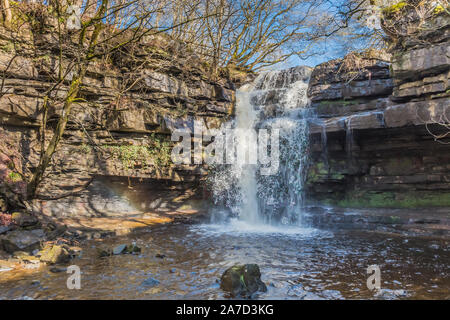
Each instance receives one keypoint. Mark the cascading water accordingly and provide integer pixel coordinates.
(275, 100)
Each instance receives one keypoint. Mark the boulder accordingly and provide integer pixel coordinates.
(22, 240)
(242, 280)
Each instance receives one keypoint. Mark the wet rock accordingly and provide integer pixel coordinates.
(24, 256)
(101, 253)
(120, 249)
(5, 269)
(57, 269)
(389, 294)
(22, 240)
(150, 282)
(52, 231)
(55, 254)
(25, 220)
(35, 283)
(4, 229)
(124, 249)
(6, 266)
(242, 280)
(133, 248)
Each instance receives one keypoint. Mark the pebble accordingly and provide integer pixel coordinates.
(150, 282)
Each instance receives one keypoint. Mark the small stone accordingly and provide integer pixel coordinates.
(24, 256)
(173, 270)
(57, 269)
(104, 253)
(24, 220)
(160, 256)
(150, 282)
(120, 249)
(133, 248)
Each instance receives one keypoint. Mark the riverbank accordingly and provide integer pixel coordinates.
(79, 234)
(22, 242)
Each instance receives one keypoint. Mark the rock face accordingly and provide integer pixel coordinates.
(124, 141)
(242, 280)
(380, 138)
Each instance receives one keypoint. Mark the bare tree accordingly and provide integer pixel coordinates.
(86, 31)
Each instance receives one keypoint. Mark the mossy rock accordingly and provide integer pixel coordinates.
(242, 280)
(396, 8)
(53, 254)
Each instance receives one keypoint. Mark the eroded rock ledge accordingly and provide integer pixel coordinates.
(379, 139)
(119, 133)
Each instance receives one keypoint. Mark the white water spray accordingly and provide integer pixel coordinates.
(275, 100)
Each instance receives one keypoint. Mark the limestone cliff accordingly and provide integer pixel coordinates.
(380, 139)
(118, 132)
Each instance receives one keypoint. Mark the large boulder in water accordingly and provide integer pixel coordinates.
(242, 280)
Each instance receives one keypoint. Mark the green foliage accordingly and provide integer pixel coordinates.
(316, 173)
(14, 176)
(85, 148)
(396, 8)
(439, 9)
(158, 154)
(8, 47)
(161, 151)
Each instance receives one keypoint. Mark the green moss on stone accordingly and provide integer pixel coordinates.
(394, 8)
(14, 176)
(395, 200)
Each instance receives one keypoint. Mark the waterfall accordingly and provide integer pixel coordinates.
(276, 100)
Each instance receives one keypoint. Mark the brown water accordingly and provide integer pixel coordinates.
(295, 264)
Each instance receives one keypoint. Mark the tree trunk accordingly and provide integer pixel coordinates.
(61, 126)
(7, 14)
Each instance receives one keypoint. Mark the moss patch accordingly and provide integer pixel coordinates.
(395, 200)
(318, 172)
(157, 154)
(396, 8)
